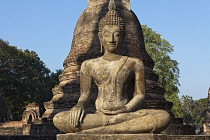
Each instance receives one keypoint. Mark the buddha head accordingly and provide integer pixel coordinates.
(111, 30)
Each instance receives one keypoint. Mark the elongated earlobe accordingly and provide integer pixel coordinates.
(99, 35)
(101, 48)
(121, 47)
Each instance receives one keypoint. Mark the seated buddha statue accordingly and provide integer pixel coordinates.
(116, 113)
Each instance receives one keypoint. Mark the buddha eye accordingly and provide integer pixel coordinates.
(106, 34)
(117, 34)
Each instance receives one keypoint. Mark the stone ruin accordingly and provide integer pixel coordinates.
(205, 130)
(33, 113)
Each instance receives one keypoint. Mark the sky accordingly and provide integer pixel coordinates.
(47, 26)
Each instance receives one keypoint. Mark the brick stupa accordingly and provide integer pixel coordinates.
(86, 45)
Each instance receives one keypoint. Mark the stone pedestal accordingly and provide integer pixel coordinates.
(177, 127)
(188, 137)
(40, 129)
(72, 136)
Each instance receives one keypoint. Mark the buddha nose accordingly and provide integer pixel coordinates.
(112, 39)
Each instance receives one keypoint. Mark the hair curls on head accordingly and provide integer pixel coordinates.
(112, 18)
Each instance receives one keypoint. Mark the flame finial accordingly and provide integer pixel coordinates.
(112, 5)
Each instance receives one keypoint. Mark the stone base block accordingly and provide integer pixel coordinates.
(180, 129)
(40, 129)
(188, 137)
(11, 130)
(26, 137)
(72, 136)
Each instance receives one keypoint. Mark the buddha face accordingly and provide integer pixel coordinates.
(111, 38)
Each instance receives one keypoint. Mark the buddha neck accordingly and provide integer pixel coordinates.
(111, 56)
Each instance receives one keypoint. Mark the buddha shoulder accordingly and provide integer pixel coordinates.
(137, 62)
(90, 62)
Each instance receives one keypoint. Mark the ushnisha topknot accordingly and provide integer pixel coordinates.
(112, 5)
(112, 18)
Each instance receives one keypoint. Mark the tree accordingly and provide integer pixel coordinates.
(187, 106)
(54, 81)
(167, 68)
(24, 78)
(199, 112)
(193, 111)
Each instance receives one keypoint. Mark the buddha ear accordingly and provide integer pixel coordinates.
(100, 39)
(99, 36)
(101, 48)
(121, 40)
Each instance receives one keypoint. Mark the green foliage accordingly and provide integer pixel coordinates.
(54, 77)
(167, 69)
(193, 111)
(176, 109)
(24, 78)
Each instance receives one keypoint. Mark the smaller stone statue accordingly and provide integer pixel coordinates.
(207, 116)
(112, 73)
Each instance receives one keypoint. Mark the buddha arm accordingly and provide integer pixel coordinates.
(77, 112)
(85, 85)
(139, 87)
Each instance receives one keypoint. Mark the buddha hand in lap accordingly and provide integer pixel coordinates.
(112, 73)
